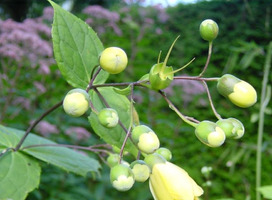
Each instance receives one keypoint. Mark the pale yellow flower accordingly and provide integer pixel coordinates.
(170, 182)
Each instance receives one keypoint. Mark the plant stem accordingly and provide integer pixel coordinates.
(265, 97)
(208, 59)
(210, 100)
(35, 123)
(172, 106)
(130, 125)
(92, 79)
(196, 78)
(90, 148)
(136, 83)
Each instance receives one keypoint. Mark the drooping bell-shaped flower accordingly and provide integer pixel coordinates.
(170, 182)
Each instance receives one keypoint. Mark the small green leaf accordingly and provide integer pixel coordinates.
(19, 175)
(266, 191)
(76, 48)
(114, 136)
(62, 157)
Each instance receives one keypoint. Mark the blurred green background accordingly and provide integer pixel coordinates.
(30, 83)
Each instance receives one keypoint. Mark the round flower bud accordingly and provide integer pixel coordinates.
(113, 60)
(145, 138)
(166, 153)
(210, 134)
(208, 30)
(121, 177)
(113, 159)
(153, 159)
(232, 127)
(140, 170)
(108, 117)
(239, 92)
(76, 102)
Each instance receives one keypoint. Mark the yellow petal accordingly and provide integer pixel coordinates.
(170, 182)
(243, 95)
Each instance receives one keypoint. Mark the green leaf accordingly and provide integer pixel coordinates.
(19, 175)
(76, 48)
(114, 136)
(62, 157)
(266, 191)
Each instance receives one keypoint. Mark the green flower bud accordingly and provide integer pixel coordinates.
(239, 92)
(208, 30)
(145, 138)
(232, 127)
(108, 117)
(76, 102)
(140, 170)
(210, 134)
(121, 177)
(113, 159)
(166, 153)
(113, 60)
(153, 159)
(159, 77)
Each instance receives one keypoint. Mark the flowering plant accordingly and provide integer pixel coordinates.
(86, 66)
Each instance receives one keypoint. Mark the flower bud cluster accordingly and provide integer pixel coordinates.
(214, 134)
(140, 170)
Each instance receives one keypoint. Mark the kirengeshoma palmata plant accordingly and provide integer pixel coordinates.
(113, 117)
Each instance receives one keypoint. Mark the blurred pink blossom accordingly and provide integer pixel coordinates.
(79, 132)
(45, 128)
(189, 88)
(100, 19)
(27, 43)
(40, 87)
(22, 102)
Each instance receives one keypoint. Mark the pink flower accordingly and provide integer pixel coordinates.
(79, 132)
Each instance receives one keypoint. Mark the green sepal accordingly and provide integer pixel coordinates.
(159, 77)
(226, 84)
(232, 127)
(125, 91)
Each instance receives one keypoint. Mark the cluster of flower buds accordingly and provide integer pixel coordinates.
(214, 134)
(166, 180)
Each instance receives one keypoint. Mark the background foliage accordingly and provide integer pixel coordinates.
(30, 83)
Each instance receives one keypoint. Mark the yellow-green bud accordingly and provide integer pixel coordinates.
(239, 92)
(232, 127)
(108, 117)
(145, 138)
(210, 134)
(76, 102)
(113, 60)
(153, 159)
(113, 159)
(121, 177)
(166, 153)
(140, 170)
(208, 30)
